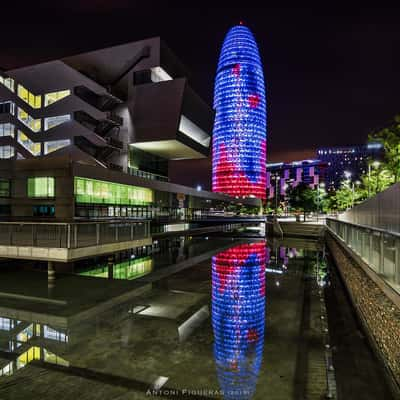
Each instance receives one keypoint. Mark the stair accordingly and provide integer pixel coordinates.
(298, 229)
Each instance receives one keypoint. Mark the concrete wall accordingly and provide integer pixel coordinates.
(379, 313)
(380, 211)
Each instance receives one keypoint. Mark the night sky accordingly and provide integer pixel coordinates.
(332, 75)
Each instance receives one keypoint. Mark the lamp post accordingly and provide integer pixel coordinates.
(347, 175)
(320, 185)
(276, 177)
(375, 164)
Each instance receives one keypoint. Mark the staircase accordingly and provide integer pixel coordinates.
(298, 229)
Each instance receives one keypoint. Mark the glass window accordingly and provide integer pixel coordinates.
(7, 107)
(6, 152)
(55, 145)
(51, 122)
(35, 101)
(50, 98)
(7, 82)
(41, 186)
(33, 147)
(44, 211)
(34, 124)
(4, 188)
(7, 129)
(95, 191)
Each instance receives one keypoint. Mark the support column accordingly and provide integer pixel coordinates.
(110, 265)
(51, 278)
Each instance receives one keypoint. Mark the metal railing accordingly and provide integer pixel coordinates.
(71, 235)
(379, 248)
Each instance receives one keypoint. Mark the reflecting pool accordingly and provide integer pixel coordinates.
(207, 318)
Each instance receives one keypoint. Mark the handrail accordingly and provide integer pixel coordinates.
(64, 235)
(367, 227)
(93, 222)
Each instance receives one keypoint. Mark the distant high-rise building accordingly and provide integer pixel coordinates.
(352, 160)
(282, 176)
(239, 136)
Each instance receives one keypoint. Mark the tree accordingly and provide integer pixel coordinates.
(390, 139)
(303, 198)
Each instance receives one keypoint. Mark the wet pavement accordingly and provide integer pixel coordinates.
(241, 325)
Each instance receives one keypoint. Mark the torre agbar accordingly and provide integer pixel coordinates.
(239, 136)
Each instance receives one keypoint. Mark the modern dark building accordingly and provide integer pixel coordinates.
(90, 136)
(281, 176)
(349, 159)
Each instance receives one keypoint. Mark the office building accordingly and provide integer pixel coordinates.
(281, 176)
(350, 159)
(239, 136)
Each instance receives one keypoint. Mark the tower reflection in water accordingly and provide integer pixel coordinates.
(238, 317)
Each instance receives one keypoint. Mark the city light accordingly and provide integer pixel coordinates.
(238, 316)
(239, 137)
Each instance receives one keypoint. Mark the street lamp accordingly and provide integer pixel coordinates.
(375, 164)
(320, 185)
(276, 177)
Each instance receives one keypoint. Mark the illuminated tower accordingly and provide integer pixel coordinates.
(240, 131)
(238, 317)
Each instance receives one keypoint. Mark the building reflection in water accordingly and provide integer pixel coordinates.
(238, 317)
(25, 342)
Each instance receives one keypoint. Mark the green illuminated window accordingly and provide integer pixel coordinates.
(4, 188)
(101, 192)
(41, 186)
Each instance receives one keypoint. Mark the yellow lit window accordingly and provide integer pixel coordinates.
(34, 124)
(50, 98)
(7, 82)
(33, 147)
(30, 98)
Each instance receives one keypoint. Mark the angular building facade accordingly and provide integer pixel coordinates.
(239, 135)
(91, 136)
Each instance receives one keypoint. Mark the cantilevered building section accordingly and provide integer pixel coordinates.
(127, 108)
(239, 137)
(91, 136)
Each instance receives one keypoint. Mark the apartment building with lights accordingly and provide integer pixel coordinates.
(352, 160)
(281, 176)
(91, 136)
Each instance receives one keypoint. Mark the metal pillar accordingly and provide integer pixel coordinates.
(51, 277)
(110, 265)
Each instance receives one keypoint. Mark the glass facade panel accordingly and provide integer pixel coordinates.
(101, 192)
(55, 145)
(7, 107)
(7, 129)
(33, 147)
(41, 186)
(35, 101)
(6, 152)
(34, 124)
(7, 82)
(4, 188)
(51, 122)
(51, 98)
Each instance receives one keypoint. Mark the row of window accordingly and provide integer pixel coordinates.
(35, 148)
(35, 101)
(7, 152)
(34, 124)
